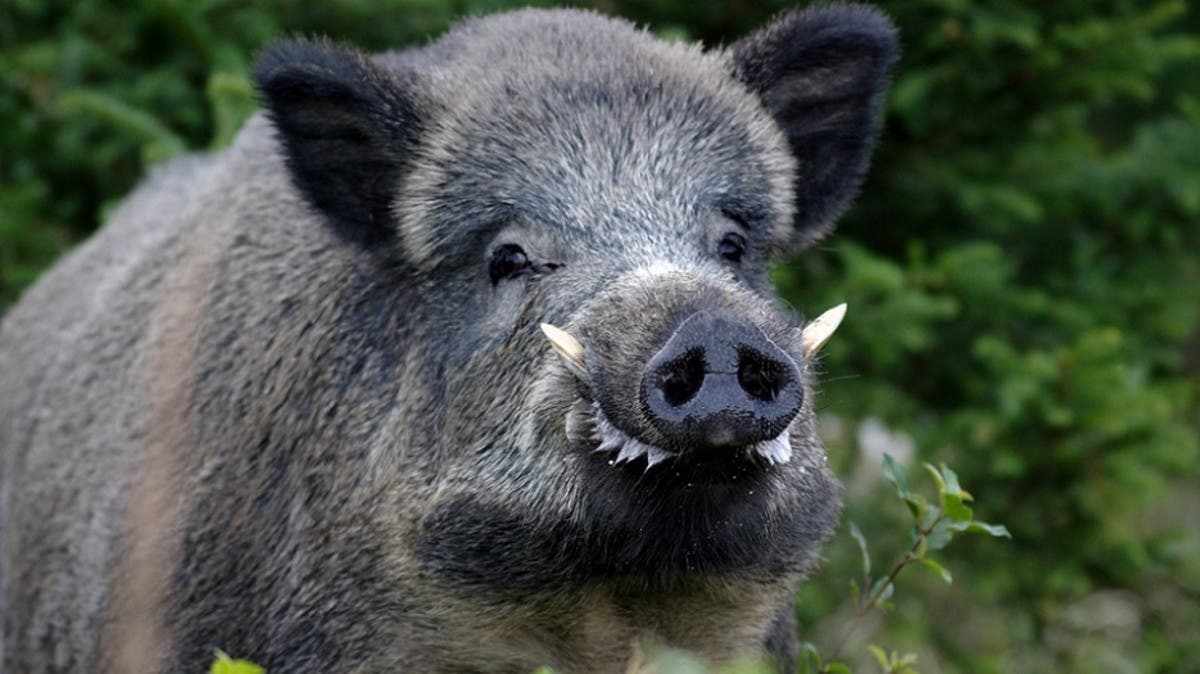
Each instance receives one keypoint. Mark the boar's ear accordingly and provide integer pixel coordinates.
(347, 127)
(822, 73)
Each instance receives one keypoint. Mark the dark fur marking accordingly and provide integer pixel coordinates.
(658, 528)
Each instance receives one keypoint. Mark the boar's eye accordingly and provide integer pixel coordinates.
(507, 262)
(732, 247)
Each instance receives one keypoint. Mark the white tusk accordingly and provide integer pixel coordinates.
(821, 329)
(566, 346)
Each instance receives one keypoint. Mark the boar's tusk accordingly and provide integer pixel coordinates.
(777, 450)
(821, 329)
(568, 347)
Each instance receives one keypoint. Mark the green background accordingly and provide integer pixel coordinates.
(1023, 274)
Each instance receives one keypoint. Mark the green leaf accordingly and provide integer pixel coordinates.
(881, 591)
(917, 505)
(997, 530)
(951, 480)
(877, 586)
(862, 546)
(810, 649)
(894, 473)
(937, 569)
(937, 477)
(811, 657)
(929, 517)
(836, 668)
(941, 535)
(881, 657)
(955, 509)
(227, 665)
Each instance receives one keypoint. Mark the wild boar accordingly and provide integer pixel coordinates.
(296, 401)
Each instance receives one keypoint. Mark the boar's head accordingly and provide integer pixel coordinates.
(567, 169)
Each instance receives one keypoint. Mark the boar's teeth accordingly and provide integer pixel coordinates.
(778, 450)
(608, 444)
(821, 329)
(631, 450)
(610, 438)
(656, 455)
(568, 347)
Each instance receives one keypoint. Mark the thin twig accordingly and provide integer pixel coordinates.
(868, 602)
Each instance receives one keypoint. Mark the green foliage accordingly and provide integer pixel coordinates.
(893, 663)
(1023, 279)
(1022, 273)
(223, 664)
(932, 528)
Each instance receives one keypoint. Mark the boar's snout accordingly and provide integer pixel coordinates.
(720, 383)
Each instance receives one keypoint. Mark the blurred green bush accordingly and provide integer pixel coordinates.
(1023, 273)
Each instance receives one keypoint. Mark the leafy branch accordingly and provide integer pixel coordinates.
(934, 526)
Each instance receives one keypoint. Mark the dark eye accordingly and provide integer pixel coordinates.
(732, 247)
(508, 261)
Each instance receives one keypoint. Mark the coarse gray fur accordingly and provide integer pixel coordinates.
(278, 406)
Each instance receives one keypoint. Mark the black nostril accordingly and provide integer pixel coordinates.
(761, 377)
(681, 378)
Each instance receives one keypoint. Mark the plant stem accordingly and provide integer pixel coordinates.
(870, 600)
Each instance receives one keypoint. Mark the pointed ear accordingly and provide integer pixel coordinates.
(347, 127)
(822, 73)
